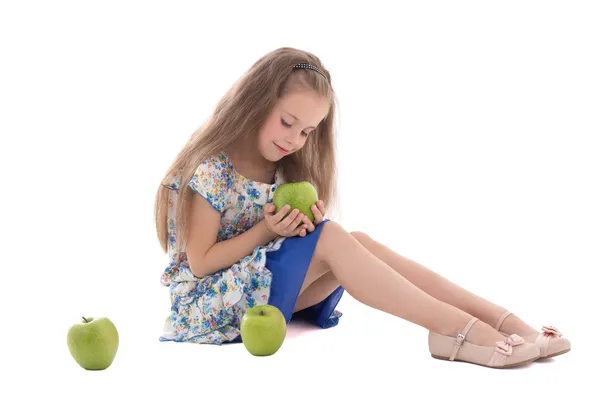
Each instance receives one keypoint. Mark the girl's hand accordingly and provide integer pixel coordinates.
(318, 211)
(289, 226)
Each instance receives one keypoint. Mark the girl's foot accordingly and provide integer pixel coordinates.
(482, 334)
(472, 344)
(550, 341)
(514, 324)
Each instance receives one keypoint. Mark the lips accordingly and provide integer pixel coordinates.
(281, 148)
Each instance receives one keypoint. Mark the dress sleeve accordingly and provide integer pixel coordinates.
(212, 180)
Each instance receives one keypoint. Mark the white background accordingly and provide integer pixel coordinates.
(468, 139)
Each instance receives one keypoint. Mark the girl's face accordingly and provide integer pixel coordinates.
(292, 120)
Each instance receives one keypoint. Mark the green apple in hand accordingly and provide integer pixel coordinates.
(263, 330)
(93, 343)
(300, 195)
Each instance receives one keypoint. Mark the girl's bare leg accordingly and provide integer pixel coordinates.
(443, 289)
(317, 291)
(374, 283)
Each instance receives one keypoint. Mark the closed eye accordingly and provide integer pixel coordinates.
(289, 126)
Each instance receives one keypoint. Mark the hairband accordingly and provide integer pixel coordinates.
(310, 66)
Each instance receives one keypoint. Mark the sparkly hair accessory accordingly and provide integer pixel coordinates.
(310, 66)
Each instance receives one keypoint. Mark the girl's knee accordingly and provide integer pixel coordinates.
(360, 236)
(332, 228)
(327, 238)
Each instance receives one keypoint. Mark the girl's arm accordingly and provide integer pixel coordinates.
(205, 255)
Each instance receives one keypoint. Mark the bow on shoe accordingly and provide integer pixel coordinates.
(551, 331)
(506, 347)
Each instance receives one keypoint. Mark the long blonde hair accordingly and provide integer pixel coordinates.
(238, 115)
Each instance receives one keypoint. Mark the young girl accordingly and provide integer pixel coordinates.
(230, 250)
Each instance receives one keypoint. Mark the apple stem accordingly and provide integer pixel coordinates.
(86, 321)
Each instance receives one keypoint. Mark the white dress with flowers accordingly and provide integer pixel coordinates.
(209, 309)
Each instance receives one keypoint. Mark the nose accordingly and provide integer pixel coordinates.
(293, 138)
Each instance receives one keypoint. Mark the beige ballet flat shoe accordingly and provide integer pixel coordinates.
(550, 341)
(511, 352)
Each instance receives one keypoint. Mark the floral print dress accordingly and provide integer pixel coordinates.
(209, 309)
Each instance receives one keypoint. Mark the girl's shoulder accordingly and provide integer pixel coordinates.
(213, 180)
(215, 166)
(213, 170)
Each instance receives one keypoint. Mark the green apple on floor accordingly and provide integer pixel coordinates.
(263, 329)
(93, 343)
(300, 195)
